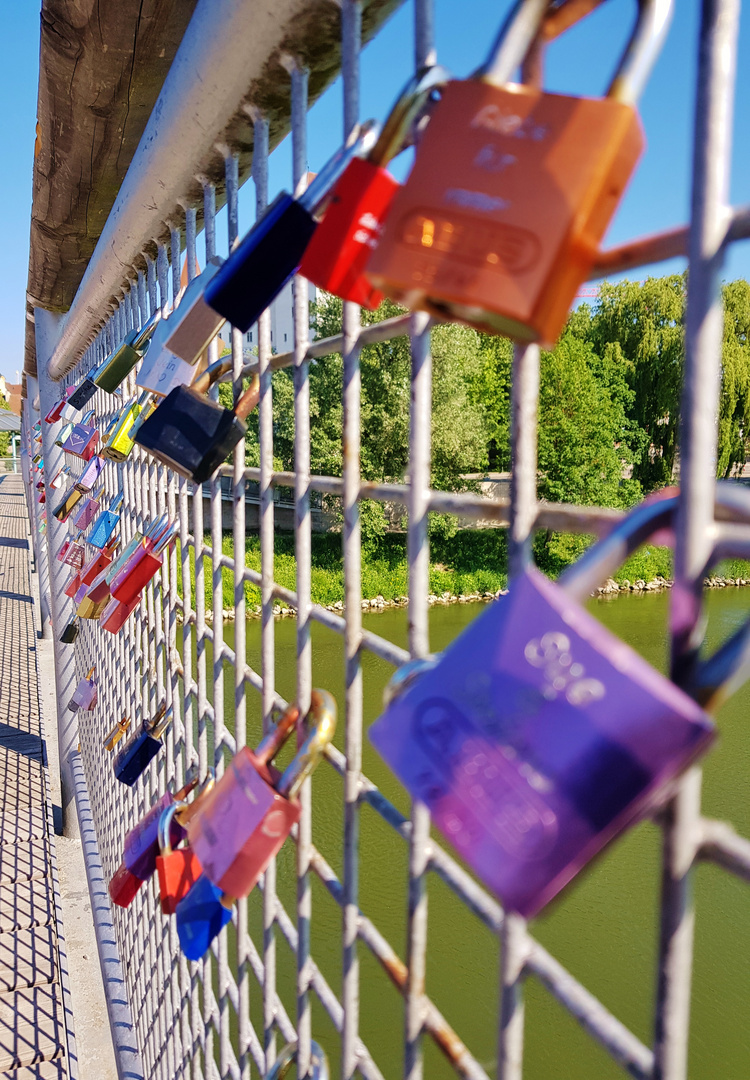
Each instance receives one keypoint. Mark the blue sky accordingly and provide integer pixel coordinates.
(657, 198)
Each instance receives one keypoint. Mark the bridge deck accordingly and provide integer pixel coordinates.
(33, 1043)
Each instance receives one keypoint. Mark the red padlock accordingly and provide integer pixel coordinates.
(74, 553)
(55, 412)
(73, 584)
(128, 584)
(251, 811)
(141, 848)
(178, 869)
(99, 561)
(342, 244)
(116, 614)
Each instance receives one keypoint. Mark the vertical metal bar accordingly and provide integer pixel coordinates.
(419, 576)
(524, 402)
(698, 452)
(303, 555)
(266, 525)
(174, 243)
(351, 34)
(190, 253)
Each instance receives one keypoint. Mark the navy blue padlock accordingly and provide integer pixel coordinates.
(142, 747)
(268, 256)
(106, 523)
(201, 916)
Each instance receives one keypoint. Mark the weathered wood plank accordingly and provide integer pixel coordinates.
(27, 958)
(32, 1027)
(25, 904)
(26, 861)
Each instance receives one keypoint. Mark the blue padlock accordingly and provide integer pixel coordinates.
(201, 916)
(142, 747)
(268, 256)
(106, 523)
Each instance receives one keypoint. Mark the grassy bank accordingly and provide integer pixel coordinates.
(469, 563)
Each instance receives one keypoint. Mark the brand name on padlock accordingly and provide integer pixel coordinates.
(493, 118)
(552, 653)
(506, 248)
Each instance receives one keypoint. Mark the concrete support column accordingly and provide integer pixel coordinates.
(61, 607)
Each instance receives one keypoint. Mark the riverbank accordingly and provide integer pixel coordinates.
(468, 567)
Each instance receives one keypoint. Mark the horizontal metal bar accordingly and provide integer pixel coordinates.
(721, 844)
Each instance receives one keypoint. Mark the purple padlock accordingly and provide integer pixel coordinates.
(88, 512)
(90, 474)
(537, 737)
(86, 693)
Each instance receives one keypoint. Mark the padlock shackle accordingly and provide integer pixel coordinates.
(188, 810)
(409, 104)
(116, 505)
(248, 400)
(322, 716)
(90, 414)
(159, 724)
(288, 1056)
(143, 336)
(191, 782)
(359, 144)
(164, 828)
(525, 24)
(272, 741)
(92, 671)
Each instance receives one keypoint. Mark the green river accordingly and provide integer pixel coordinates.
(603, 929)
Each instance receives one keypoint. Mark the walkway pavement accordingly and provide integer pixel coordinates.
(34, 1000)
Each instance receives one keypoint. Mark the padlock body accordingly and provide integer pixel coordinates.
(260, 266)
(242, 824)
(118, 365)
(88, 608)
(128, 584)
(103, 528)
(74, 555)
(83, 394)
(345, 239)
(200, 918)
(191, 433)
(63, 510)
(120, 442)
(94, 567)
(82, 442)
(141, 748)
(90, 474)
(100, 586)
(86, 514)
(141, 846)
(500, 220)
(538, 737)
(124, 886)
(177, 872)
(70, 633)
(55, 412)
(85, 696)
(194, 325)
(73, 584)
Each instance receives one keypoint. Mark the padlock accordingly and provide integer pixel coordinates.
(106, 523)
(193, 325)
(177, 869)
(142, 746)
(90, 474)
(89, 511)
(162, 370)
(201, 916)
(115, 368)
(83, 393)
(538, 735)
(120, 440)
(268, 256)
(512, 188)
(111, 739)
(70, 633)
(74, 553)
(73, 584)
(99, 561)
(141, 847)
(344, 240)
(83, 438)
(85, 694)
(64, 433)
(318, 1063)
(99, 588)
(88, 608)
(251, 811)
(63, 548)
(55, 412)
(193, 434)
(141, 567)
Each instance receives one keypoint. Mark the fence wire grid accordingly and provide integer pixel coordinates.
(195, 1019)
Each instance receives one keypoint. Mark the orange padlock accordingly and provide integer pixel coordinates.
(178, 870)
(512, 189)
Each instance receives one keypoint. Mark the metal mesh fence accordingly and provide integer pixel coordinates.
(221, 1016)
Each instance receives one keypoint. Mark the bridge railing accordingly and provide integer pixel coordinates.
(223, 1016)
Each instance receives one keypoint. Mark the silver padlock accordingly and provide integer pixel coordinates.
(194, 324)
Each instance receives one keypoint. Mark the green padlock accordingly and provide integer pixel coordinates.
(118, 365)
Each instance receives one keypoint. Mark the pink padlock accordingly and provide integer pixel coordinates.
(88, 511)
(86, 694)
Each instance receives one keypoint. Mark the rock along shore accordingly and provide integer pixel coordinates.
(379, 603)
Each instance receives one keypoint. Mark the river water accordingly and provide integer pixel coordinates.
(603, 929)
